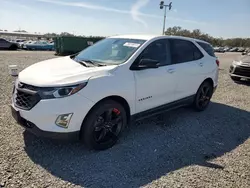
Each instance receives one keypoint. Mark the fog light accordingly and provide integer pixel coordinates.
(63, 120)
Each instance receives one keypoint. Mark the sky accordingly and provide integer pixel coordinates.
(219, 18)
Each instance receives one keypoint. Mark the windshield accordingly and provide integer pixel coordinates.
(110, 51)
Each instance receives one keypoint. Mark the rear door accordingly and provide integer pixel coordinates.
(187, 61)
(210, 66)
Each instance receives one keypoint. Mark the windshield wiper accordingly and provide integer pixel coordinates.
(88, 61)
(83, 63)
(101, 64)
(95, 63)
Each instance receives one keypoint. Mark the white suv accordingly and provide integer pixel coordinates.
(94, 94)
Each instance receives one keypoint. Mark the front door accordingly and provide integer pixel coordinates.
(155, 86)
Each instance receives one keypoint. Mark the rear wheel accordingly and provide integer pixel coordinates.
(203, 96)
(103, 125)
(13, 47)
(235, 78)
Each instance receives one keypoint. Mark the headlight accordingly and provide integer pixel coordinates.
(236, 62)
(48, 93)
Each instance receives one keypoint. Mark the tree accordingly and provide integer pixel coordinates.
(51, 35)
(196, 33)
(66, 34)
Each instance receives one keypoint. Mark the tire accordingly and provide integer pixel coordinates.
(235, 78)
(97, 132)
(13, 47)
(203, 96)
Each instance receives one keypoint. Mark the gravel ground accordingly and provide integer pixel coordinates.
(181, 148)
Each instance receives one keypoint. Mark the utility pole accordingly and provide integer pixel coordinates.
(162, 5)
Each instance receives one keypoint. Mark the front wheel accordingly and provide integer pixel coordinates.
(13, 47)
(203, 96)
(103, 125)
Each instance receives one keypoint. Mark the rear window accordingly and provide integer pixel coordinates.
(208, 48)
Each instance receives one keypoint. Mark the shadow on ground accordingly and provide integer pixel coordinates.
(180, 138)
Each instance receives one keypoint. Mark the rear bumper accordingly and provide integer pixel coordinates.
(31, 127)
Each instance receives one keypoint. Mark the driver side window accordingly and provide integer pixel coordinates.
(157, 50)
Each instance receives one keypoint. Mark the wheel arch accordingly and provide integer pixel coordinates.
(13, 47)
(209, 80)
(115, 98)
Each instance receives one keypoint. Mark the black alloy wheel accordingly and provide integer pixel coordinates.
(103, 125)
(203, 96)
(108, 126)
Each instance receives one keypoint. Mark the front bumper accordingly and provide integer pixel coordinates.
(40, 120)
(240, 71)
(31, 127)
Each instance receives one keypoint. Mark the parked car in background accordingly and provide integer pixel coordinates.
(39, 45)
(227, 49)
(219, 49)
(7, 45)
(240, 49)
(93, 95)
(20, 42)
(234, 49)
(240, 69)
(27, 42)
(246, 51)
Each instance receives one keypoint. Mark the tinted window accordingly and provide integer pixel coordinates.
(208, 48)
(157, 50)
(184, 51)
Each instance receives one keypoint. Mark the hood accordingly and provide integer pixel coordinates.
(61, 71)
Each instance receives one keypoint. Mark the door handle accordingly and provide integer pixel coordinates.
(201, 64)
(171, 71)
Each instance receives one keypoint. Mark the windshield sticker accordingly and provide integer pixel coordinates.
(130, 44)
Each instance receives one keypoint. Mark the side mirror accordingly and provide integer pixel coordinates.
(147, 64)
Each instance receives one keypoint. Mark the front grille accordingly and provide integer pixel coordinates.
(242, 71)
(25, 98)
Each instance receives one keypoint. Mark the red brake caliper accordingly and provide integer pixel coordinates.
(116, 111)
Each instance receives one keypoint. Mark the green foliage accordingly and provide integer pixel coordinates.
(21, 31)
(196, 33)
(66, 34)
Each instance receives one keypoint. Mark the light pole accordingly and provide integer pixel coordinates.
(162, 5)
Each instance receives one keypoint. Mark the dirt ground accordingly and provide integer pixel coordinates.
(181, 148)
